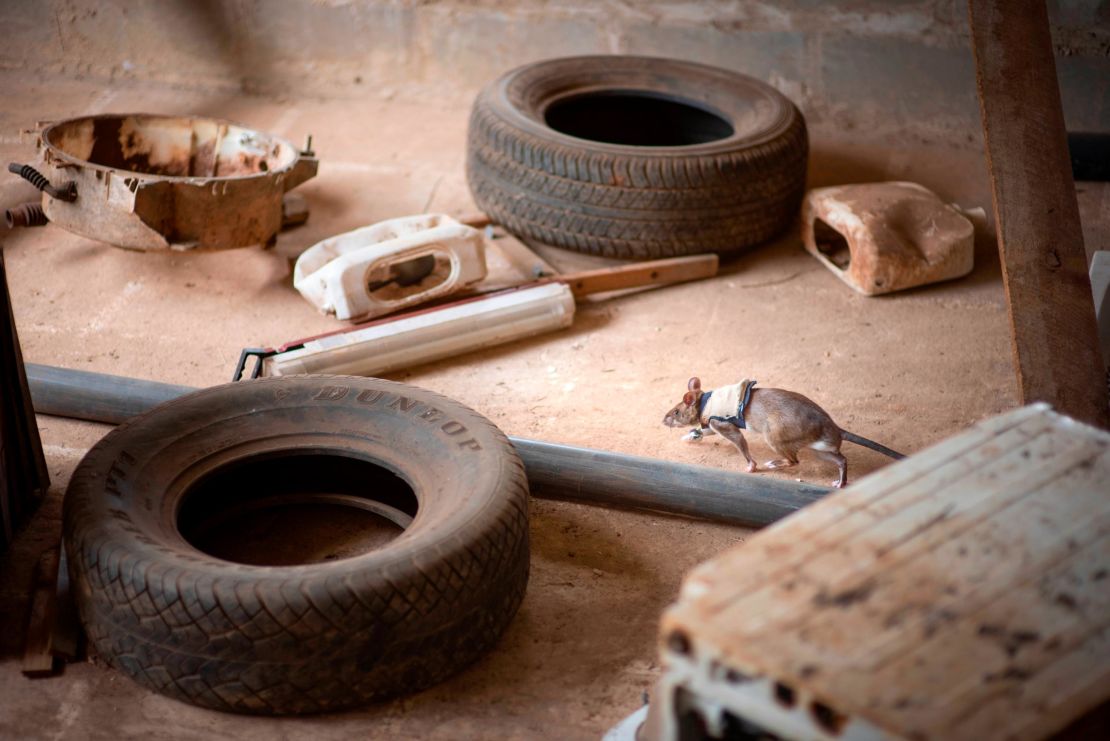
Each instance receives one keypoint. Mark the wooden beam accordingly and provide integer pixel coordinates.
(38, 655)
(1044, 266)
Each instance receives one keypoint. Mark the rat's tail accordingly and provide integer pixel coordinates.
(870, 444)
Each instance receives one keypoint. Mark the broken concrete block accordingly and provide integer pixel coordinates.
(883, 237)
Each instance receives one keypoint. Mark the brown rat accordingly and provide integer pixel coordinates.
(788, 421)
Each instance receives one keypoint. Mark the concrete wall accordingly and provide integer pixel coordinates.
(877, 66)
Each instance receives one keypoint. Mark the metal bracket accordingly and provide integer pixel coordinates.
(260, 354)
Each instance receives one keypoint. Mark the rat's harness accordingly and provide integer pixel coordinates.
(735, 419)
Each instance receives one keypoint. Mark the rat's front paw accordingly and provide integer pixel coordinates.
(693, 436)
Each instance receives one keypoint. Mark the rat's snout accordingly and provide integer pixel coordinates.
(672, 420)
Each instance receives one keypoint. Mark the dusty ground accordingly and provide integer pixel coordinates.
(907, 370)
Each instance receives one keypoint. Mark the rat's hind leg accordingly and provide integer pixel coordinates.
(833, 456)
(788, 454)
(733, 434)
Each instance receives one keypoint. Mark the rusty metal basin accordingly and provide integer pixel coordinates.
(151, 182)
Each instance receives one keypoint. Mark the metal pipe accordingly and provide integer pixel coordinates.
(589, 476)
(561, 472)
(96, 397)
(25, 214)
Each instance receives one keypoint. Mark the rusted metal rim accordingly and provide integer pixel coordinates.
(174, 148)
(154, 182)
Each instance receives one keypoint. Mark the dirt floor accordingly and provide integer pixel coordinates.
(907, 370)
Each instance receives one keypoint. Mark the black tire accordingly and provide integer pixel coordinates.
(306, 638)
(695, 189)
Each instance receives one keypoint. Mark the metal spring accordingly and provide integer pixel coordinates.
(26, 214)
(67, 191)
(31, 175)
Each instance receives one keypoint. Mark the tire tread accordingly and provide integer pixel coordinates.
(636, 204)
(241, 644)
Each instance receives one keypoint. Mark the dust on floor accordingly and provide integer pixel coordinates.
(907, 370)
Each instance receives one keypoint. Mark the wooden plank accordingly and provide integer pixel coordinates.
(38, 657)
(509, 261)
(501, 273)
(476, 219)
(1040, 239)
(511, 264)
(640, 275)
(25, 473)
(6, 494)
(66, 642)
(526, 261)
(569, 261)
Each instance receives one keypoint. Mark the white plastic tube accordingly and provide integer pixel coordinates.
(433, 335)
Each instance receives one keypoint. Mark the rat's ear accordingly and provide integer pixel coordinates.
(694, 384)
(689, 398)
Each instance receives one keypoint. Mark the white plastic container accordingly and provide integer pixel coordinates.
(390, 265)
(432, 335)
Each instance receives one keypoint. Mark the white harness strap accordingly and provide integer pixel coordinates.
(726, 404)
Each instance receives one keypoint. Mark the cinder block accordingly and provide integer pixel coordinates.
(1085, 92)
(473, 47)
(327, 47)
(899, 84)
(778, 57)
(889, 65)
(29, 35)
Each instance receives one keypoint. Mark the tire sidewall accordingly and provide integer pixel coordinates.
(631, 201)
(687, 81)
(121, 538)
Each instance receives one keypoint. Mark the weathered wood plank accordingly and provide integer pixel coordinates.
(639, 275)
(1040, 240)
(67, 636)
(511, 262)
(38, 656)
